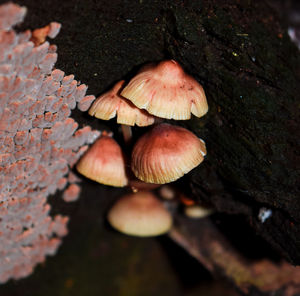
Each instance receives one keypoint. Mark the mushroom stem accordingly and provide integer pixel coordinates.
(158, 120)
(127, 133)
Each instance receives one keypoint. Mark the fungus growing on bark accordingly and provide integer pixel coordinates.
(104, 162)
(197, 211)
(39, 144)
(166, 153)
(111, 104)
(39, 35)
(167, 192)
(140, 214)
(166, 91)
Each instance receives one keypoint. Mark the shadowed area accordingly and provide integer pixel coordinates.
(94, 259)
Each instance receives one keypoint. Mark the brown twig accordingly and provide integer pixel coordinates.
(201, 239)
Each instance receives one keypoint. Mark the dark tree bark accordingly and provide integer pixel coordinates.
(250, 71)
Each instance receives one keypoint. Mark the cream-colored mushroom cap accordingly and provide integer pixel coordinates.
(140, 214)
(166, 153)
(197, 211)
(111, 104)
(166, 91)
(104, 162)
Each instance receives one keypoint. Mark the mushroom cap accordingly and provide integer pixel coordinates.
(166, 91)
(140, 214)
(197, 211)
(166, 153)
(111, 104)
(104, 163)
(167, 192)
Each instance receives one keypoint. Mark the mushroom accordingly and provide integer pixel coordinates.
(167, 192)
(104, 162)
(166, 153)
(197, 211)
(166, 91)
(111, 104)
(140, 214)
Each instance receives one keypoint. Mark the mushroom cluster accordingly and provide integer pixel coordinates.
(162, 155)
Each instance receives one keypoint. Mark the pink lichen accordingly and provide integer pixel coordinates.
(85, 103)
(71, 193)
(39, 143)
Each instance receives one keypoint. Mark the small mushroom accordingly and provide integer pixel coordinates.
(111, 104)
(166, 91)
(104, 162)
(167, 192)
(140, 214)
(197, 211)
(166, 153)
(39, 35)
